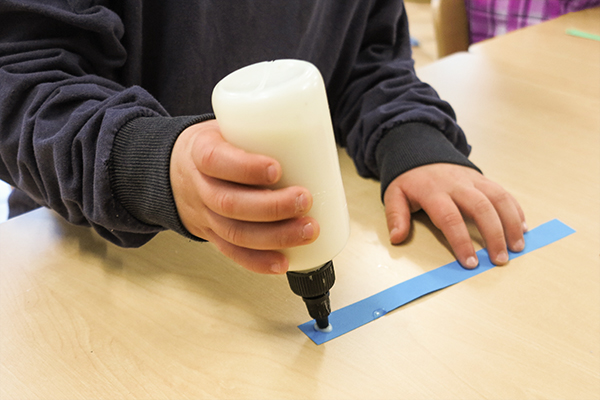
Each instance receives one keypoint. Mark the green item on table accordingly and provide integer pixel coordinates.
(582, 34)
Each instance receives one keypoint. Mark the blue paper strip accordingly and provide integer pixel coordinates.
(364, 311)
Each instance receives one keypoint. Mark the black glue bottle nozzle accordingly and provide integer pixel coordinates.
(313, 286)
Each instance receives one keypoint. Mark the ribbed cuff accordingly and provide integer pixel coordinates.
(140, 169)
(412, 145)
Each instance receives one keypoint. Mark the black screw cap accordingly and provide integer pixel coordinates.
(313, 283)
(313, 287)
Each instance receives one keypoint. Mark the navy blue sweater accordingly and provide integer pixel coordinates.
(93, 95)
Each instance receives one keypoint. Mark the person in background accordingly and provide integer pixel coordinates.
(105, 117)
(489, 18)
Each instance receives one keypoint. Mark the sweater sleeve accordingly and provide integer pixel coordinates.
(60, 111)
(384, 98)
(139, 169)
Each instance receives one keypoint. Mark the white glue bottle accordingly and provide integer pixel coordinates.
(279, 109)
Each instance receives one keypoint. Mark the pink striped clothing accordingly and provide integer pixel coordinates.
(489, 18)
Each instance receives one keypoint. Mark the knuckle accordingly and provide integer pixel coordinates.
(282, 241)
(225, 203)
(482, 206)
(209, 156)
(234, 234)
(288, 235)
(502, 198)
(284, 205)
(276, 210)
(393, 215)
(451, 219)
(206, 158)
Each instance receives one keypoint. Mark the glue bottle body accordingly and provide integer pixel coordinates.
(279, 109)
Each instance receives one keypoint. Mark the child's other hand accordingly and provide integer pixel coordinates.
(446, 192)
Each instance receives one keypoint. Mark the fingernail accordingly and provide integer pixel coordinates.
(519, 245)
(471, 262)
(301, 203)
(502, 257)
(525, 227)
(394, 232)
(276, 268)
(308, 231)
(271, 173)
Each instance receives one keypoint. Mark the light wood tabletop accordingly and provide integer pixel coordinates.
(545, 52)
(81, 318)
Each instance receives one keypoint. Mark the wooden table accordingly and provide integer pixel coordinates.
(83, 319)
(544, 53)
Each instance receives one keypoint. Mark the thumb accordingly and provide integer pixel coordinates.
(397, 212)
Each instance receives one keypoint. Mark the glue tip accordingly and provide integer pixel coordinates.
(327, 329)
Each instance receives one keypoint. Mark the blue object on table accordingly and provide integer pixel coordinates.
(364, 311)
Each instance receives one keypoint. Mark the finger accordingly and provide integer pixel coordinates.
(446, 216)
(265, 235)
(215, 157)
(524, 227)
(474, 204)
(247, 203)
(397, 212)
(510, 213)
(260, 261)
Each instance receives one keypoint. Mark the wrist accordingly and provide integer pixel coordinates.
(412, 145)
(140, 169)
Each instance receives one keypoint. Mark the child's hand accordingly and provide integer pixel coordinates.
(220, 196)
(446, 192)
